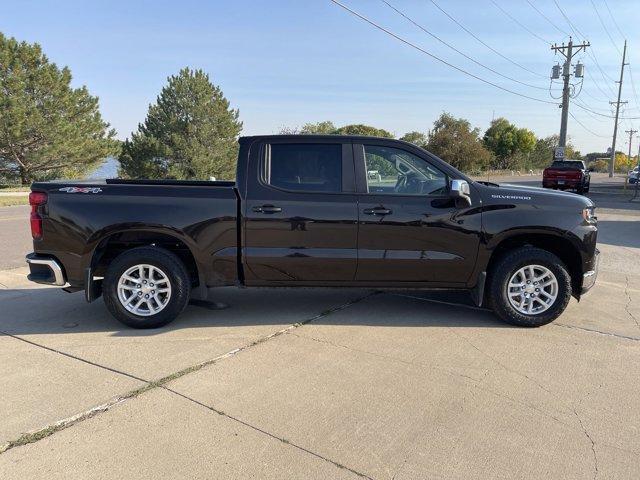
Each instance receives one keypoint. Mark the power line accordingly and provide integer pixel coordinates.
(595, 82)
(633, 87)
(420, 49)
(586, 128)
(587, 111)
(574, 28)
(604, 27)
(458, 51)
(515, 20)
(593, 97)
(484, 43)
(614, 20)
(547, 19)
(604, 115)
(577, 32)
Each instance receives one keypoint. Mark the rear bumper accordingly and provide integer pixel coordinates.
(45, 270)
(589, 277)
(553, 183)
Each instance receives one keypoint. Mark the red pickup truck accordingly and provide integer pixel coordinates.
(567, 175)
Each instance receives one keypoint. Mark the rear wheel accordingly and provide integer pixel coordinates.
(146, 287)
(529, 287)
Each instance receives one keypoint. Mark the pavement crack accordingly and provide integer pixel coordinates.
(476, 383)
(593, 330)
(498, 362)
(593, 444)
(267, 433)
(629, 301)
(74, 357)
(37, 435)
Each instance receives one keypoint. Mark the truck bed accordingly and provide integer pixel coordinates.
(80, 217)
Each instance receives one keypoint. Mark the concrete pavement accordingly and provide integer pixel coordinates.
(327, 384)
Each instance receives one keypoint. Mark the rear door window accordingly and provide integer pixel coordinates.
(304, 167)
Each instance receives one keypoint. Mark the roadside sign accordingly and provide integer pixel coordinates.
(558, 153)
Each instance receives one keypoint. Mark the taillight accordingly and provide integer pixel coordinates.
(36, 199)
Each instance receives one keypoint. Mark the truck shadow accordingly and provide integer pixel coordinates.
(51, 311)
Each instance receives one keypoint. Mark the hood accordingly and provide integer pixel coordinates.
(521, 194)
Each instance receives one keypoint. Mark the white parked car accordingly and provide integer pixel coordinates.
(634, 175)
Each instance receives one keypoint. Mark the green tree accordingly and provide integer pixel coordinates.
(328, 128)
(600, 165)
(321, 128)
(525, 140)
(506, 140)
(191, 132)
(453, 140)
(47, 128)
(542, 154)
(360, 129)
(623, 163)
(417, 138)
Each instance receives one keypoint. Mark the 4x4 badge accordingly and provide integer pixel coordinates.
(80, 189)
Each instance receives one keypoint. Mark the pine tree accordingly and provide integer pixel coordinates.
(47, 128)
(189, 133)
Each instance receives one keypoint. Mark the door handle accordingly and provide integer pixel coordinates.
(377, 211)
(267, 209)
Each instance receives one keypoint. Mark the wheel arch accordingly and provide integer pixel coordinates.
(555, 243)
(112, 243)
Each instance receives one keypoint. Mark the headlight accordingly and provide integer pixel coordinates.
(588, 214)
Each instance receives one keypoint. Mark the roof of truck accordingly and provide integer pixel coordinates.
(316, 136)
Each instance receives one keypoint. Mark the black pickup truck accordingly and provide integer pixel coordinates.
(315, 211)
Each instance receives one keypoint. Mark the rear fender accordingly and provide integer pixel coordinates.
(96, 247)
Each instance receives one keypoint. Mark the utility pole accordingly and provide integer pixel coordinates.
(635, 194)
(630, 132)
(566, 73)
(617, 104)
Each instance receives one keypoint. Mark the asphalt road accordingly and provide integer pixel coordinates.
(319, 384)
(15, 236)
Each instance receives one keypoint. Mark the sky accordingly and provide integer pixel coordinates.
(286, 63)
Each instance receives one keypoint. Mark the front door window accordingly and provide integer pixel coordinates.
(397, 172)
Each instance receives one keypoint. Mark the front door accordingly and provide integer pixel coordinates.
(300, 217)
(410, 229)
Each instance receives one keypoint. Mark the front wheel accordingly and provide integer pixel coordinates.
(146, 287)
(529, 287)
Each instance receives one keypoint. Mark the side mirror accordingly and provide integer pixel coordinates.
(460, 190)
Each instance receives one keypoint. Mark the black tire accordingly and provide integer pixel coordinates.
(507, 266)
(169, 264)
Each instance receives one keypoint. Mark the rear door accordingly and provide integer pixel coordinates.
(300, 214)
(410, 228)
